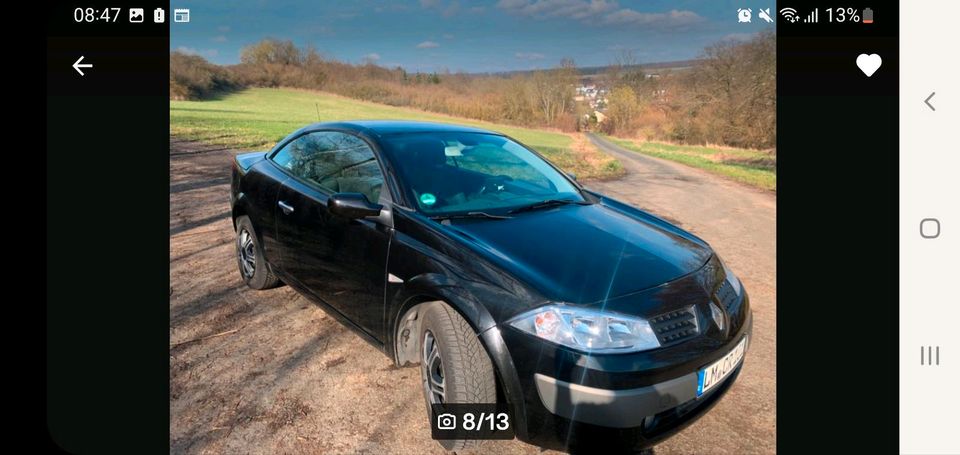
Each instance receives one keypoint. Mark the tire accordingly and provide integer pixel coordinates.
(254, 269)
(465, 368)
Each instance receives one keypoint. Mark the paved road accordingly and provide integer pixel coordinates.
(268, 372)
(740, 224)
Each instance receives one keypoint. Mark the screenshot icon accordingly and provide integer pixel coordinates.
(136, 15)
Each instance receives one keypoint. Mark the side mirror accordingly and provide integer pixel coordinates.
(352, 205)
(572, 176)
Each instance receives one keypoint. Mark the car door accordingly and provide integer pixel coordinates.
(340, 261)
(261, 185)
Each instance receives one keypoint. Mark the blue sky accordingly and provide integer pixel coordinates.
(464, 35)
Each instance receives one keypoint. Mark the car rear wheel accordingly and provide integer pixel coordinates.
(454, 366)
(254, 269)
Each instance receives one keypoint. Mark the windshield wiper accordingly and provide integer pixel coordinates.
(470, 215)
(546, 203)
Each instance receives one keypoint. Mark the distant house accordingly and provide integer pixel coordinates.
(600, 116)
(592, 95)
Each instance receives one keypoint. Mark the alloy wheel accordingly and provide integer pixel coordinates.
(434, 383)
(247, 253)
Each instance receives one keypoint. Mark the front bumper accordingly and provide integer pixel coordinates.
(613, 408)
(630, 401)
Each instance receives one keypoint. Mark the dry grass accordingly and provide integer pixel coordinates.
(595, 159)
(754, 167)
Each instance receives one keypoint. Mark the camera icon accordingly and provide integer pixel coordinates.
(446, 422)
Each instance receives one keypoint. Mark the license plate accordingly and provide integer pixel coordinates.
(714, 373)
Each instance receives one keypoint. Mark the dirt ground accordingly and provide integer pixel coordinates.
(269, 372)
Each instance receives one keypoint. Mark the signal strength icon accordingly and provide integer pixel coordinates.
(789, 14)
(812, 17)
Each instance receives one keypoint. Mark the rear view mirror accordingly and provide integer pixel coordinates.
(352, 205)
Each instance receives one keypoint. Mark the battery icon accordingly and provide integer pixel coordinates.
(867, 16)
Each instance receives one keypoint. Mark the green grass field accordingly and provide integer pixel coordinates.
(256, 119)
(753, 167)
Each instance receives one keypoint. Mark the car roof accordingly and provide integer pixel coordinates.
(386, 127)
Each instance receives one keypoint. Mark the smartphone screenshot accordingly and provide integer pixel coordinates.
(500, 227)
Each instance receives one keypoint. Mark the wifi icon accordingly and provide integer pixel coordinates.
(789, 14)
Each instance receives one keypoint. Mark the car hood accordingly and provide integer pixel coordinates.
(589, 253)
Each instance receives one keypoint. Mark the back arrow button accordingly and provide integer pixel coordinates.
(77, 65)
(927, 102)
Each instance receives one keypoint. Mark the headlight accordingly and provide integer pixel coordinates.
(587, 330)
(734, 281)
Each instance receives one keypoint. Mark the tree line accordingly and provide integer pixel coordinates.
(728, 97)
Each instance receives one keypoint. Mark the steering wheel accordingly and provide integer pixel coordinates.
(494, 184)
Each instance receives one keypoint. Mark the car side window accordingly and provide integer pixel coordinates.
(334, 161)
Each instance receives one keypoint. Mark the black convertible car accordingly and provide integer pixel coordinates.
(464, 251)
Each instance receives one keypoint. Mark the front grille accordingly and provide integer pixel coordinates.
(675, 326)
(726, 295)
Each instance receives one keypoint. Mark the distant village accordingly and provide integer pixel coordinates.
(598, 97)
(594, 96)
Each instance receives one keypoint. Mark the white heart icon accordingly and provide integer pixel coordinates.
(869, 63)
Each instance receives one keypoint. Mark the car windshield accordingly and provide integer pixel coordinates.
(454, 172)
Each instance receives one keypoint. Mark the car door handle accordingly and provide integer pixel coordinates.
(287, 208)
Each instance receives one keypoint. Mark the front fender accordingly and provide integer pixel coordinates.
(509, 380)
(430, 287)
(448, 290)
(238, 207)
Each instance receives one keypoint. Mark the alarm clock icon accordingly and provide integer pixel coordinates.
(744, 14)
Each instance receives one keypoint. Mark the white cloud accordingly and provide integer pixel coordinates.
(220, 39)
(529, 56)
(738, 37)
(452, 9)
(672, 17)
(574, 9)
(223, 28)
(391, 8)
(427, 45)
(446, 8)
(200, 52)
(448, 36)
(372, 57)
(596, 12)
(512, 4)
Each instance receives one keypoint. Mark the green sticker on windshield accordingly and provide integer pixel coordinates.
(428, 199)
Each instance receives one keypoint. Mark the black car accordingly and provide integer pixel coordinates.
(464, 251)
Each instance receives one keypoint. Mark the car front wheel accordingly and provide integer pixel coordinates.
(454, 366)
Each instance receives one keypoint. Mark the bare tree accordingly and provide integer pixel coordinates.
(553, 90)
